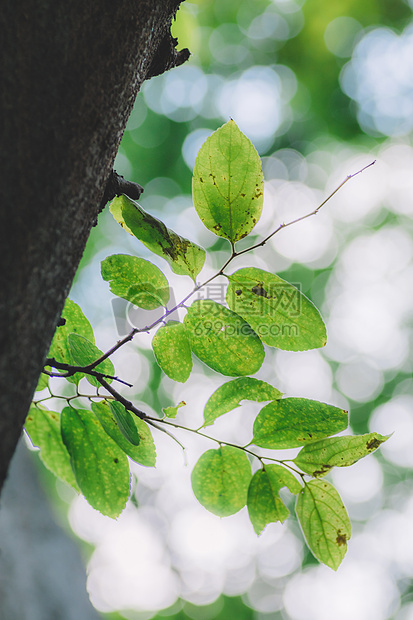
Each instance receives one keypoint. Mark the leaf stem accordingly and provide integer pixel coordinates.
(303, 217)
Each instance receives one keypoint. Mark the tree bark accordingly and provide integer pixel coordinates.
(69, 77)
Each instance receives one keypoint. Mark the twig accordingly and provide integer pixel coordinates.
(126, 403)
(72, 370)
(303, 217)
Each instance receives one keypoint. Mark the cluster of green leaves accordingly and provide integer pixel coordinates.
(89, 447)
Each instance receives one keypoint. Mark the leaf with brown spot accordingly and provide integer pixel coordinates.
(227, 186)
(277, 311)
(101, 468)
(319, 457)
(324, 521)
(184, 257)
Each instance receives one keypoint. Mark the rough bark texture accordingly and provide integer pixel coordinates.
(69, 76)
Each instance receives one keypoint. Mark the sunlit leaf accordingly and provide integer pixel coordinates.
(320, 457)
(75, 322)
(227, 186)
(83, 352)
(222, 339)
(125, 422)
(220, 480)
(184, 257)
(281, 315)
(145, 452)
(324, 521)
(230, 395)
(43, 428)
(264, 503)
(136, 280)
(42, 383)
(115, 208)
(171, 412)
(173, 351)
(293, 422)
(101, 468)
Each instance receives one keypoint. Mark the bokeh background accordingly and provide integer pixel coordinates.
(322, 89)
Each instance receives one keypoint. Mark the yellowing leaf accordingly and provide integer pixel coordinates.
(171, 412)
(222, 339)
(101, 468)
(320, 457)
(74, 322)
(184, 257)
(43, 428)
(228, 185)
(293, 422)
(324, 521)
(230, 395)
(277, 311)
(220, 480)
(136, 280)
(264, 503)
(173, 351)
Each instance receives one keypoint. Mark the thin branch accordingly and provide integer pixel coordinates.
(197, 432)
(304, 217)
(126, 403)
(71, 370)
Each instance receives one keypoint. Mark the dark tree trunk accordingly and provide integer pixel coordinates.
(69, 75)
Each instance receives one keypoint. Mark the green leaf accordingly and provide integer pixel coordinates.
(173, 351)
(324, 521)
(75, 322)
(220, 480)
(228, 185)
(230, 395)
(43, 428)
(136, 280)
(185, 258)
(293, 422)
(100, 467)
(115, 208)
(145, 452)
(222, 339)
(318, 458)
(83, 352)
(264, 503)
(281, 315)
(171, 412)
(42, 383)
(125, 422)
